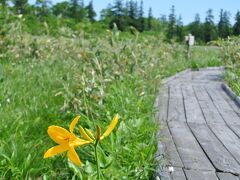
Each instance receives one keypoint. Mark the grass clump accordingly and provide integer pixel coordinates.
(231, 58)
(205, 56)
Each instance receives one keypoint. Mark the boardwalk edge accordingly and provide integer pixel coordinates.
(230, 93)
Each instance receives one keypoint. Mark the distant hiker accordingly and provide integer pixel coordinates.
(189, 40)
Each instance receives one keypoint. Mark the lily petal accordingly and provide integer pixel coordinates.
(78, 142)
(72, 155)
(84, 134)
(58, 134)
(73, 123)
(110, 127)
(56, 150)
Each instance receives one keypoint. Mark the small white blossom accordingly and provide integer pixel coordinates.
(142, 93)
(170, 169)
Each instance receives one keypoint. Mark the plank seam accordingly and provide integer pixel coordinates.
(170, 129)
(208, 127)
(226, 125)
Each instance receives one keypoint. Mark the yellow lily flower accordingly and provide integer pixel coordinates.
(67, 141)
(87, 135)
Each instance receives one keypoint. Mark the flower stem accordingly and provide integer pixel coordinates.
(97, 161)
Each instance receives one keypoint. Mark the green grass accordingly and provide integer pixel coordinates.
(231, 59)
(232, 77)
(46, 81)
(205, 56)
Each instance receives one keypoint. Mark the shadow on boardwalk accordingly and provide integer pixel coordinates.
(200, 134)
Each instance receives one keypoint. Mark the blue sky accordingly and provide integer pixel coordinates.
(187, 8)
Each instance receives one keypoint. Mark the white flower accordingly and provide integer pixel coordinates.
(142, 93)
(8, 100)
(170, 169)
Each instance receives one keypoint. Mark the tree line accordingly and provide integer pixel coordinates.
(124, 14)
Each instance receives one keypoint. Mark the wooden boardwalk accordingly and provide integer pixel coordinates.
(200, 128)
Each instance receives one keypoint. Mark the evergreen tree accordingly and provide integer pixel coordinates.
(196, 28)
(236, 27)
(43, 7)
(20, 6)
(118, 13)
(171, 30)
(132, 14)
(61, 9)
(132, 11)
(118, 9)
(150, 18)
(82, 10)
(163, 18)
(106, 15)
(91, 14)
(221, 24)
(209, 27)
(74, 9)
(224, 26)
(179, 29)
(141, 18)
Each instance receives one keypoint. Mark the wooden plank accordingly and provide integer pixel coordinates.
(162, 104)
(220, 92)
(227, 176)
(176, 108)
(200, 175)
(167, 144)
(178, 174)
(224, 108)
(230, 101)
(236, 129)
(172, 156)
(218, 154)
(188, 148)
(210, 112)
(192, 108)
(175, 91)
(200, 92)
(228, 138)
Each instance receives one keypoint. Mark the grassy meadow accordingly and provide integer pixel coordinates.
(47, 80)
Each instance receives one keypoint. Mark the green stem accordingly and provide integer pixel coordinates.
(97, 160)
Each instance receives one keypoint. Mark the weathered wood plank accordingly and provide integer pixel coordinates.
(228, 138)
(236, 129)
(166, 147)
(176, 108)
(192, 108)
(228, 114)
(171, 153)
(218, 154)
(210, 112)
(200, 175)
(230, 101)
(162, 104)
(227, 176)
(178, 174)
(188, 148)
